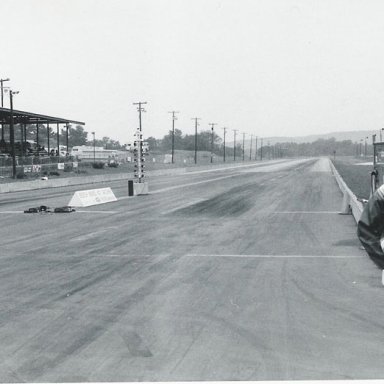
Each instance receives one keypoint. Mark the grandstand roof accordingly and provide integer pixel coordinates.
(23, 117)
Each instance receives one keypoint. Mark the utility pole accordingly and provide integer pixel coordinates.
(173, 133)
(48, 134)
(234, 143)
(94, 147)
(225, 131)
(12, 133)
(250, 149)
(212, 125)
(244, 145)
(37, 138)
(196, 124)
(138, 151)
(261, 149)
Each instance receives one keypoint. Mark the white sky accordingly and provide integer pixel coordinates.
(270, 68)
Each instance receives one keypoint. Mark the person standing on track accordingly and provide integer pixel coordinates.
(370, 228)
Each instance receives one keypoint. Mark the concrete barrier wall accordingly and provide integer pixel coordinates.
(356, 206)
(79, 180)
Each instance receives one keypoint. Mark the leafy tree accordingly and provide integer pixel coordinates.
(153, 143)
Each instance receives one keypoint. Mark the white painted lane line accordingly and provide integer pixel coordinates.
(273, 162)
(308, 212)
(48, 213)
(192, 184)
(106, 212)
(88, 235)
(282, 256)
(92, 234)
(186, 205)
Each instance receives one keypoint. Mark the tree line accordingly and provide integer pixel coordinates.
(320, 147)
(76, 136)
(206, 141)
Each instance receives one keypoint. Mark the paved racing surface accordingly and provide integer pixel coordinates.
(246, 273)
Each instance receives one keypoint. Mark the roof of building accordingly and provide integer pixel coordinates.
(23, 117)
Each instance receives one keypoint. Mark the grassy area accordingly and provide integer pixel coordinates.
(356, 174)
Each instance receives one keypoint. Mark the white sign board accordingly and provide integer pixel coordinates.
(60, 165)
(140, 188)
(75, 164)
(36, 168)
(92, 197)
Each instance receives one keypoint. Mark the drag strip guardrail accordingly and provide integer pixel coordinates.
(17, 186)
(350, 201)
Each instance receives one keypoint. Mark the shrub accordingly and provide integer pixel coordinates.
(54, 173)
(98, 165)
(68, 168)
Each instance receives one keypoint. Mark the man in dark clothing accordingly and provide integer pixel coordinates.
(370, 227)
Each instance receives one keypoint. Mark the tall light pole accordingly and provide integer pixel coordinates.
(234, 143)
(196, 124)
(2, 104)
(2, 90)
(58, 139)
(48, 134)
(66, 136)
(381, 130)
(261, 149)
(12, 133)
(365, 147)
(37, 138)
(94, 147)
(212, 127)
(173, 133)
(225, 131)
(256, 149)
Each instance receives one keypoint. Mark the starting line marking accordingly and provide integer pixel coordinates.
(283, 256)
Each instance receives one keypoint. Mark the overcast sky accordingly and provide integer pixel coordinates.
(273, 67)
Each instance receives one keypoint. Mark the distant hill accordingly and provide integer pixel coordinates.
(355, 136)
